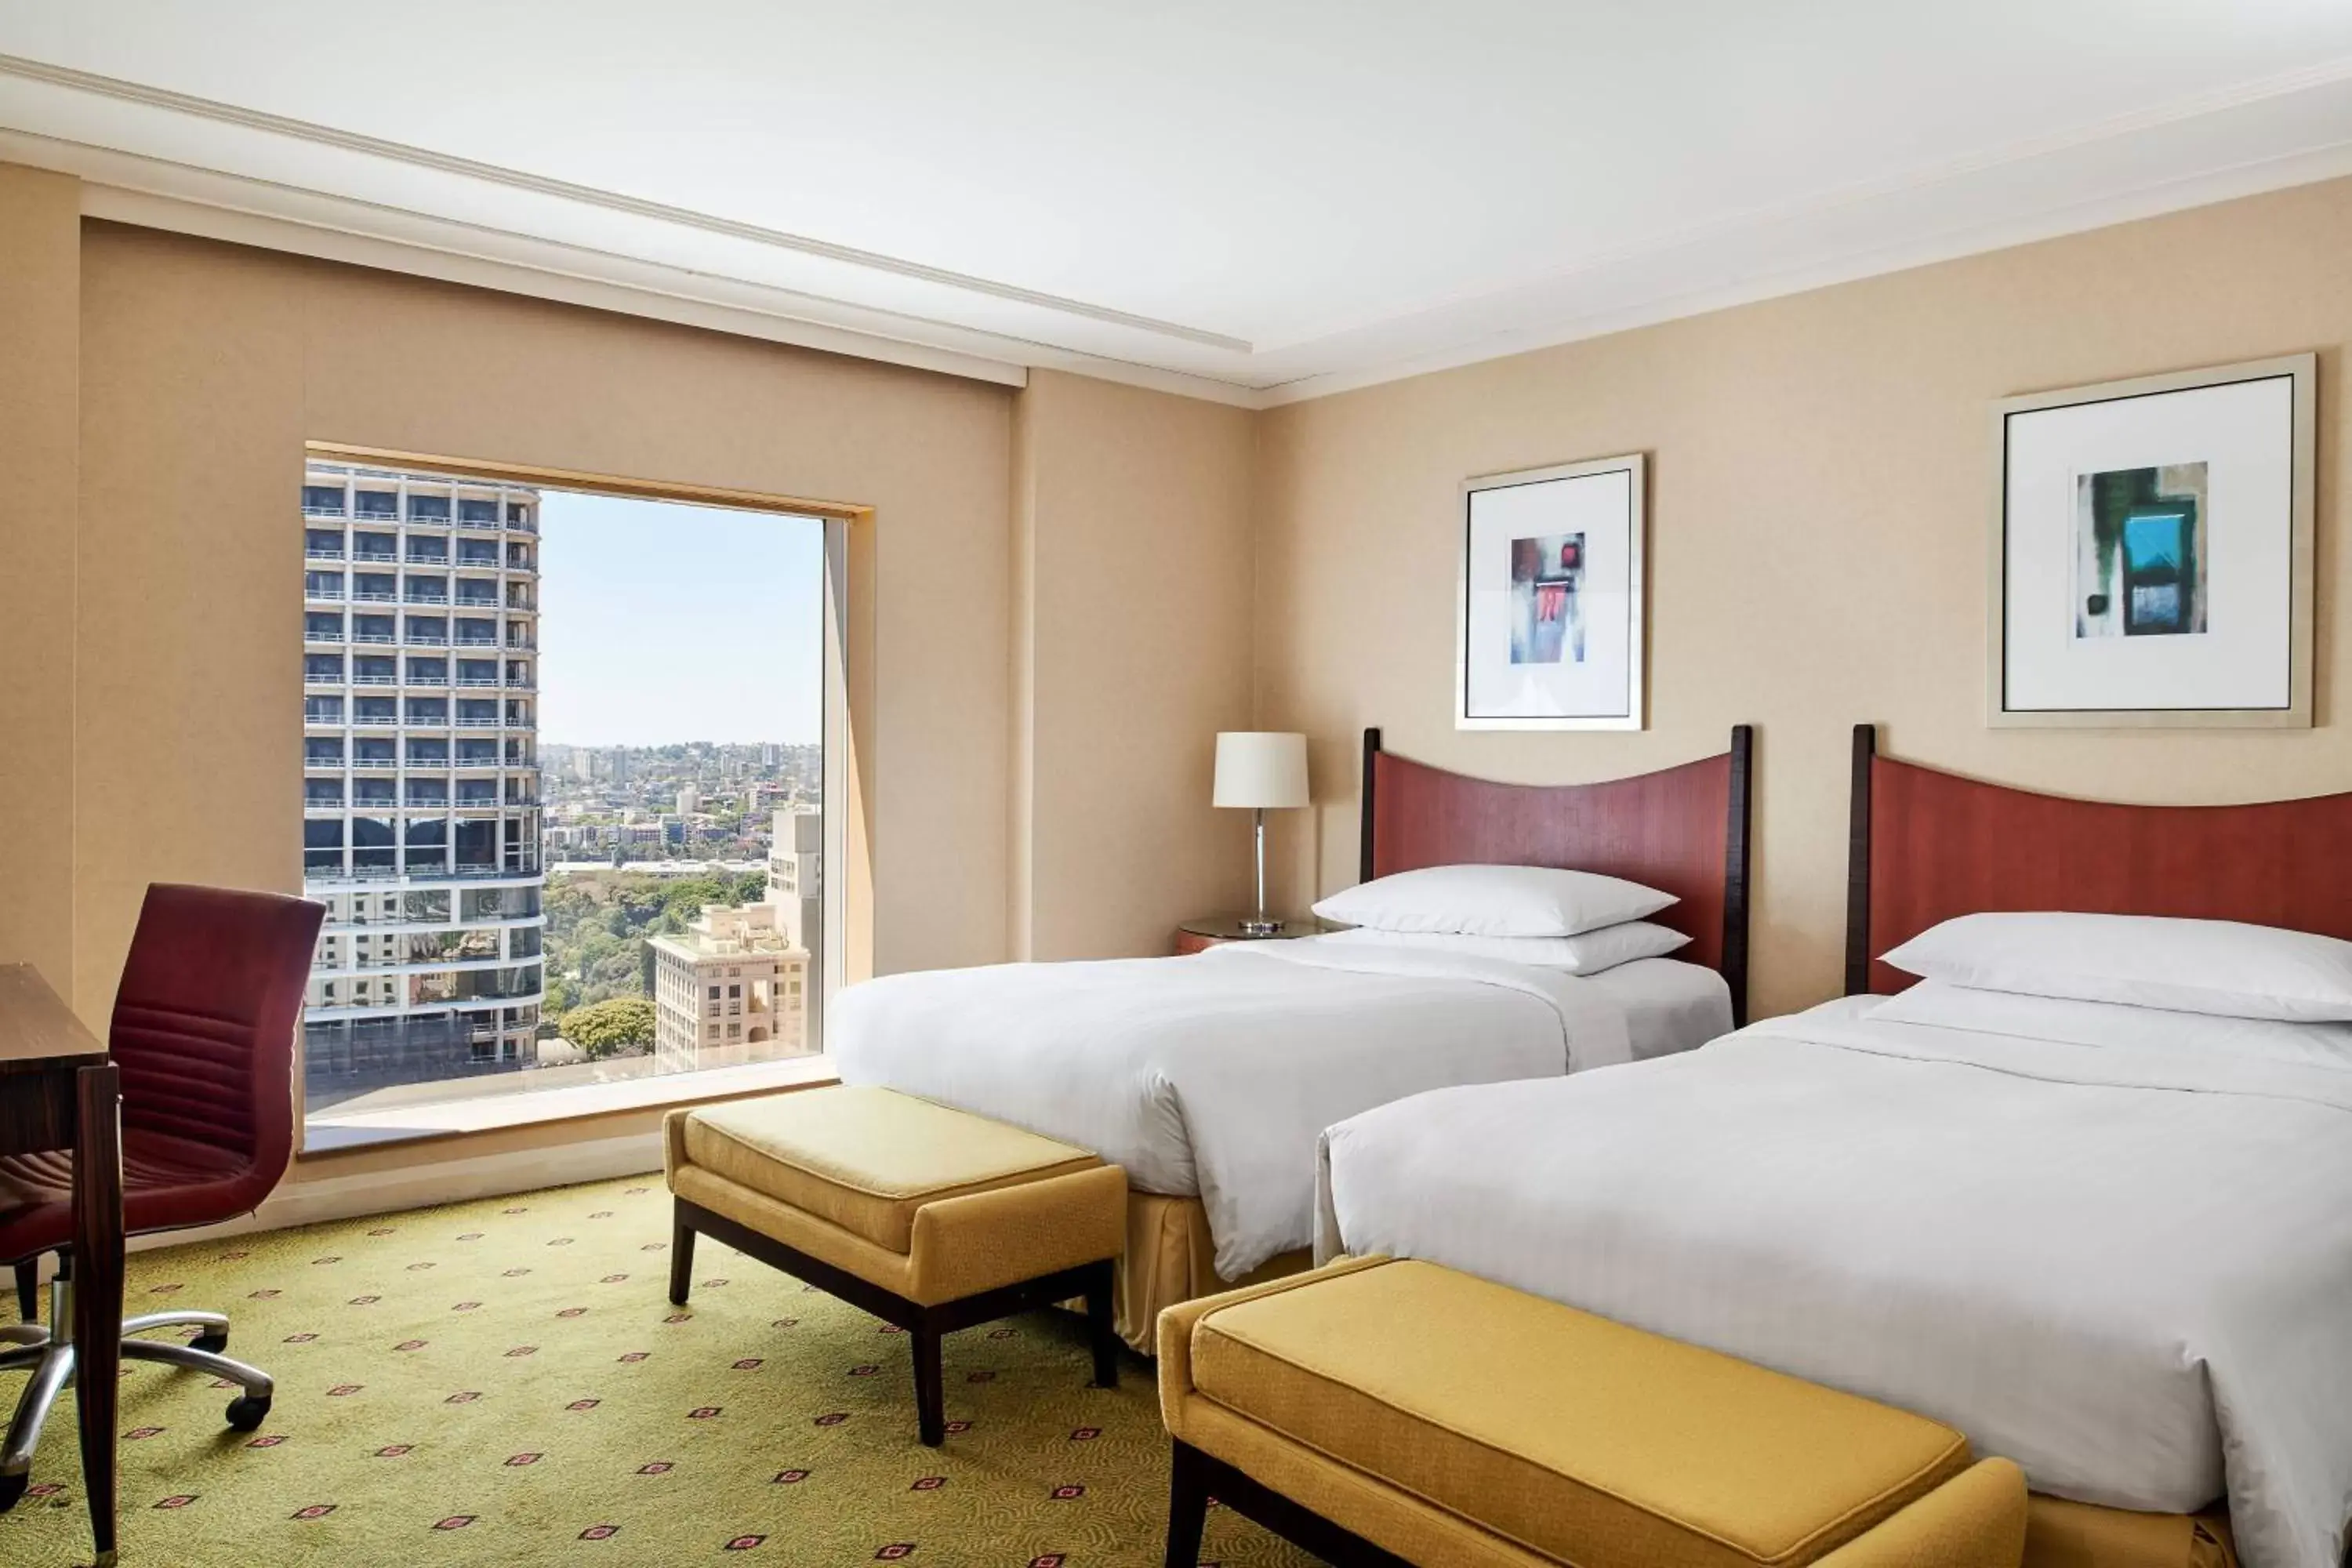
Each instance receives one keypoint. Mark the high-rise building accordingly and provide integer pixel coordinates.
(689, 800)
(421, 790)
(731, 988)
(796, 888)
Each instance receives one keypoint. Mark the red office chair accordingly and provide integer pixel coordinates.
(204, 1034)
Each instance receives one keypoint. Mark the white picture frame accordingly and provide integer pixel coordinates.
(1550, 630)
(2151, 561)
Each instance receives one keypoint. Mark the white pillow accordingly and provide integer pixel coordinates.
(1587, 954)
(1494, 900)
(2144, 960)
(2111, 1023)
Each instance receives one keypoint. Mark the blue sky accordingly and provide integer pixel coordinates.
(660, 621)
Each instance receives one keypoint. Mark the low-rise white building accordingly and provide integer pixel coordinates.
(732, 988)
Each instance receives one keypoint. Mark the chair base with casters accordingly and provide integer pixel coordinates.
(49, 1354)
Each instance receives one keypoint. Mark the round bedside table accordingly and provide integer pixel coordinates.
(1194, 935)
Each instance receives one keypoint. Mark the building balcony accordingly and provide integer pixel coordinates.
(320, 552)
(427, 639)
(521, 683)
(331, 639)
(434, 522)
(324, 511)
(375, 764)
(373, 680)
(322, 596)
(477, 680)
(384, 556)
(383, 516)
(371, 598)
(522, 724)
(477, 639)
(416, 598)
(523, 644)
(478, 723)
(320, 802)
(377, 639)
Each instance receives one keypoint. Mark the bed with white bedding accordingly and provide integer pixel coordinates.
(2086, 1193)
(1209, 1077)
(2128, 1271)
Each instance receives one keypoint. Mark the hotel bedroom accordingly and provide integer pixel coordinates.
(1469, 825)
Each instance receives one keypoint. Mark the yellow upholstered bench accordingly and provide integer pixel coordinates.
(1379, 1413)
(928, 1217)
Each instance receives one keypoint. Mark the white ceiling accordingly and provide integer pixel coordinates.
(1276, 198)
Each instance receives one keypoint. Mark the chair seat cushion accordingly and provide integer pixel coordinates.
(1575, 1436)
(866, 1159)
(167, 1182)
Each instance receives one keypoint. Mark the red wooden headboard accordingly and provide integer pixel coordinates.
(1929, 845)
(1682, 830)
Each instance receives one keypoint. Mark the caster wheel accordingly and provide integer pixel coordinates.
(247, 1412)
(211, 1343)
(11, 1489)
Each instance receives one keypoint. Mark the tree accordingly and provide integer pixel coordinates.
(612, 1027)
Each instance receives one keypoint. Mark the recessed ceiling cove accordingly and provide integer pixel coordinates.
(1254, 201)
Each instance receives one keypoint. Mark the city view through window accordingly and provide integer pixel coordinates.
(563, 778)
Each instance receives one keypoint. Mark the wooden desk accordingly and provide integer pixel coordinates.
(59, 1091)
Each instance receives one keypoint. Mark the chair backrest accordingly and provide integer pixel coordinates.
(205, 1019)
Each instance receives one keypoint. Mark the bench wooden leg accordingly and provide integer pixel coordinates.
(1188, 1506)
(1102, 1326)
(681, 1254)
(930, 1397)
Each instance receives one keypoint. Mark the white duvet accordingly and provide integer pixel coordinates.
(1213, 1075)
(2130, 1270)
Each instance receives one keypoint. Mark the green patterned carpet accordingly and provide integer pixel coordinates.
(506, 1382)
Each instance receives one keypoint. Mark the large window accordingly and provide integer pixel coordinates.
(540, 849)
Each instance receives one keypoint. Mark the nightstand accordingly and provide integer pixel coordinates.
(1194, 935)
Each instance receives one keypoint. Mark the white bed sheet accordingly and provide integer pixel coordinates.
(1213, 1075)
(2126, 1269)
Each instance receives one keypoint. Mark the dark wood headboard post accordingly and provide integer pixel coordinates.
(1364, 853)
(1857, 865)
(1735, 869)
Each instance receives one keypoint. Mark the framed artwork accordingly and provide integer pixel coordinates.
(2152, 551)
(1550, 633)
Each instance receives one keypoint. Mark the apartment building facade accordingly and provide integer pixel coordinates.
(420, 789)
(731, 988)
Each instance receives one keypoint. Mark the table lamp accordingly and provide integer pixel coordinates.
(1262, 770)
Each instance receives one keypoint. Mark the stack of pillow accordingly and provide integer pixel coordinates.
(1578, 923)
(2134, 981)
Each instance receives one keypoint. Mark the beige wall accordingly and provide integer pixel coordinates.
(206, 366)
(1132, 568)
(1821, 488)
(41, 283)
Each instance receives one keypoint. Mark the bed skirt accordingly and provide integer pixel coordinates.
(1170, 1259)
(2063, 1535)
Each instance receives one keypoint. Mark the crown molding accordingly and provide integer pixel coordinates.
(127, 188)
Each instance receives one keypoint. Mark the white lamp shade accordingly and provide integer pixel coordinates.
(1262, 768)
